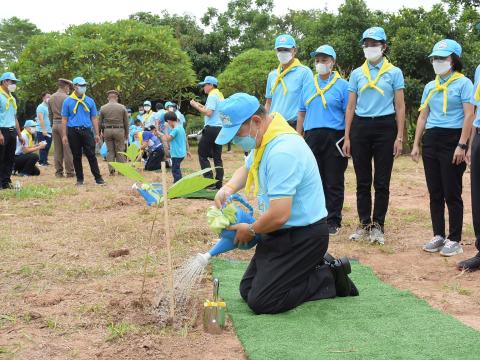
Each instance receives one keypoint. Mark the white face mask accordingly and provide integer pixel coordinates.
(12, 87)
(324, 69)
(82, 90)
(170, 108)
(147, 108)
(373, 53)
(284, 56)
(441, 67)
(33, 130)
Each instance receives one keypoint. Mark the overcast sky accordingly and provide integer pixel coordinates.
(56, 15)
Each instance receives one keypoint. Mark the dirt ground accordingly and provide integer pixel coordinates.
(63, 297)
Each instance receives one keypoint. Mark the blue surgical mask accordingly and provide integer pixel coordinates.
(246, 142)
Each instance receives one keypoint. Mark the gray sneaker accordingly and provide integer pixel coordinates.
(434, 245)
(359, 235)
(376, 235)
(451, 248)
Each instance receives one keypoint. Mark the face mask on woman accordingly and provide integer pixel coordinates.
(12, 87)
(373, 53)
(284, 57)
(441, 67)
(246, 142)
(33, 130)
(147, 108)
(82, 90)
(323, 69)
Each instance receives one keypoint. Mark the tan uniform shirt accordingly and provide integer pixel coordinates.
(55, 107)
(114, 114)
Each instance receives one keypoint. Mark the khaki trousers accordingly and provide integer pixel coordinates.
(62, 154)
(115, 140)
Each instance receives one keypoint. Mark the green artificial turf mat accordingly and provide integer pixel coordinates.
(382, 323)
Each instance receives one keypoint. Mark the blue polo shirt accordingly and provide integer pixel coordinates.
(152, 141)
(370, 103)
(7, 117)
(459, 92)
(332, 117)
(81, 117)
(300, 180)
(476, 123)
(212, 103)
(178, 145)
(287, 105)
(43, 109)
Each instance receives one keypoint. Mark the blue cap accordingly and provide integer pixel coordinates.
(285, 41)
(375, 33)
(147, 103)
(324, 49)
(79, 81)
(209, 80)
(445, 48)
(8, 76)
(169, 103)
(30, 123)
(234, 111)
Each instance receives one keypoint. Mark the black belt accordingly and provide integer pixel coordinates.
(292, 228)
(113, 127)
(81, 128)
(384, 117)
(8, 129)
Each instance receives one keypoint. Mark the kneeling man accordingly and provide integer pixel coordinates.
(26, 157)
(291, 264)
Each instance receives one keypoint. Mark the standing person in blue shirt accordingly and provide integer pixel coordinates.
(178, 143)
(157, 115)
(171, 106)
(44, 129)
(141, 111)
(322, 121)
(446, 115)
(288, 267)
(9, 128)
(285, 84)
(473, 159)
(213, 124)
(148, 119)
(374, 124)
(79, 113)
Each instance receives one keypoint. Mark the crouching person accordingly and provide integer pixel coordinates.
(290, 265)
(26, 158)
(153, 148)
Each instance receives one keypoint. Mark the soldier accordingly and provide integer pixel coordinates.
(114, 124)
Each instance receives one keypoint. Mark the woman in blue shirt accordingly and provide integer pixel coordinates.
(374, 119)
(447, 115)
(322, 120)
(44, 129)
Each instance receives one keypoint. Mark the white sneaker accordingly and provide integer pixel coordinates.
(451, 248)
(359, 235)
(376, 235)
(434, 245)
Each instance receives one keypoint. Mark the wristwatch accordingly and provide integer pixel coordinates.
(251, 231)
(462, 146)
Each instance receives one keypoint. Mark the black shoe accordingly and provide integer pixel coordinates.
(333, 230)
(79, 183)
(329, 259)
(341, 268)
(471, 264)
(354, 290)
(100, 181)
(211, 187)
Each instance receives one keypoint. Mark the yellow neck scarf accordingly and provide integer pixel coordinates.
(29, 137)
(321, 92)
(477, 93)
(278, 126)
(147, 115)
(216, 92)
(79, 101)
(281, 74)
(10, 99)
(443, 87)
(386, 66)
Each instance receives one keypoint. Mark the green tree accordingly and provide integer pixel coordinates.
(140, 61)
(248, 73)
(14, 35)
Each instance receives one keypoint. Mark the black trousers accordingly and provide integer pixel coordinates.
(81, 141)
(43, 154)
(475, 182)
(332, 166)
(373, 138)
(444, 180)
(288, 270)
(154, 159)
(207, 148)
(26, 164)
(7, 155)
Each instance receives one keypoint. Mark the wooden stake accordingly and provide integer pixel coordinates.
(167, 237)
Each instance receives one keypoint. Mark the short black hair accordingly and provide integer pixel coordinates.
(170, 115)
(44, 93)
(138, 121)
(158, 106)
(457, 63)
(261, 111)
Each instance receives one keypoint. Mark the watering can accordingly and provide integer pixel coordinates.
(151, 196)
(214, 312)
(227, 237)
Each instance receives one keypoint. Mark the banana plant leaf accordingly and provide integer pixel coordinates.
(128, 171)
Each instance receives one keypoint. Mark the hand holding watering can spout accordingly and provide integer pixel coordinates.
(227, 237)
